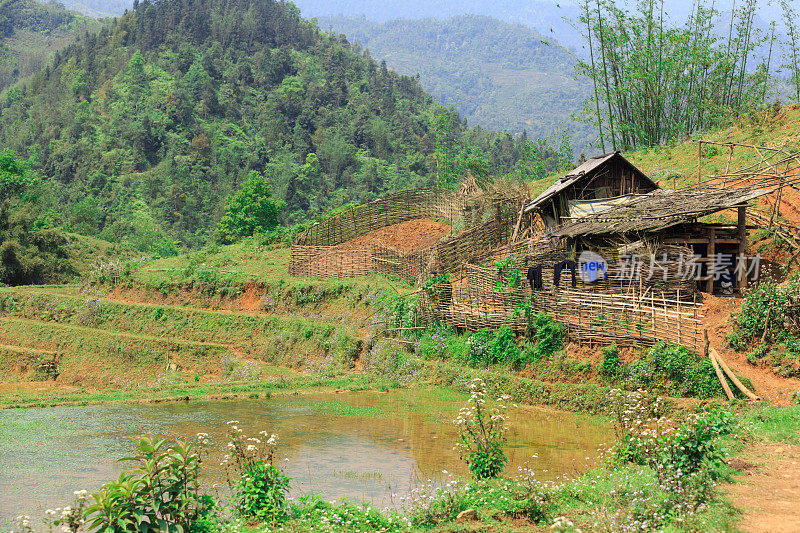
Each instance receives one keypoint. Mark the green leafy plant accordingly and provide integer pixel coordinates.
(511, 276)
(434, 281)
(160, 494)
(479, 347)
(260, 488)
(680, 370)
(482, 433)
(610, 366)
(250, 210)
(504, 346)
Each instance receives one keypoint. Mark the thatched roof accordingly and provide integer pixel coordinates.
(586, 170)
(658, 210)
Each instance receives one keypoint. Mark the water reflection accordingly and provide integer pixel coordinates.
(364, 445)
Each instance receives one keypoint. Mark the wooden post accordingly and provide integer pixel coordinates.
(678, 303)
(733, 377)
(497, 220)
(699, 158)
(694, 339)
(711, 254)
(741, 234)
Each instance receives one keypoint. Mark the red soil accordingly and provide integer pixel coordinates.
(767, 384)
(768, 491)
(404, 237)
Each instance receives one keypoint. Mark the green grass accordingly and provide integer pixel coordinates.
(772, 423)
(247, 261)
(342, 408)
(678, 160)
(279, 384)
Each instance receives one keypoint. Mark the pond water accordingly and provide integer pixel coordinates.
(362, 445)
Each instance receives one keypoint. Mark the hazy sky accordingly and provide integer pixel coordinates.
(680, 9)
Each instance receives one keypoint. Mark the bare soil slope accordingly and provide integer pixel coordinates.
(768, 386)
(405, 237)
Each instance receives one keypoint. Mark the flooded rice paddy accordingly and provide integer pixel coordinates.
(362, 445)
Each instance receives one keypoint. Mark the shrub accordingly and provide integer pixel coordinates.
(479, 347)
(693, 446)
(735, 341)
(207, 274)
(165, 248)
(546, 338)
(686, 460)
(261, 494)
(250, 210)
(433, 344)
(677, 369)
(486, 347)
(549, 334)
(504, 346)
(259, 488)
(610, 366)
(766, 302)
(388, 361)
(482, 433)
(161, 494)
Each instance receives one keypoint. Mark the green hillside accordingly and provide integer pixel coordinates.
(32, 31)
(142, 130)
(498, 75)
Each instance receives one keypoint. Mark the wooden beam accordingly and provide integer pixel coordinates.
(699, 158)
(742, 230)
(733, 377)
(686, 241)
(710, 253)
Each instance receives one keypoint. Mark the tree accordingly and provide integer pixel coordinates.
(27, 254)
(654, 83)
(792, 54)
(14, 175)
(250, 210)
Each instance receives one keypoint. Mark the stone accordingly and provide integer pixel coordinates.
(468, 514)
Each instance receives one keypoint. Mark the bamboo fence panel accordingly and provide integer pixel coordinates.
(387, 211)
(483, 299)
(322, 250)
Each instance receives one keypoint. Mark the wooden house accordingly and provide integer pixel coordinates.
(607, 203)
(599, 183)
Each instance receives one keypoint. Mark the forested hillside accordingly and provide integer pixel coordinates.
(499, 75)
(31, 32)
(142, 131)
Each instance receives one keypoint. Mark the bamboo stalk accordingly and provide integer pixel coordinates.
(721, 377)
(733, 377)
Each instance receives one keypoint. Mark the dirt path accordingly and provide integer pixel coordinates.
(768, 385)
(768, 489)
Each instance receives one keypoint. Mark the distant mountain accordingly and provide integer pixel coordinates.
(99, 8)
(498, 75)
(31, 32)
(549, 18)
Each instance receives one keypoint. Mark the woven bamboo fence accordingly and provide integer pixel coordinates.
(330, 262)
(386, 211)
(343, 260)
(661, 276)
(471, 244)
(482, 298)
